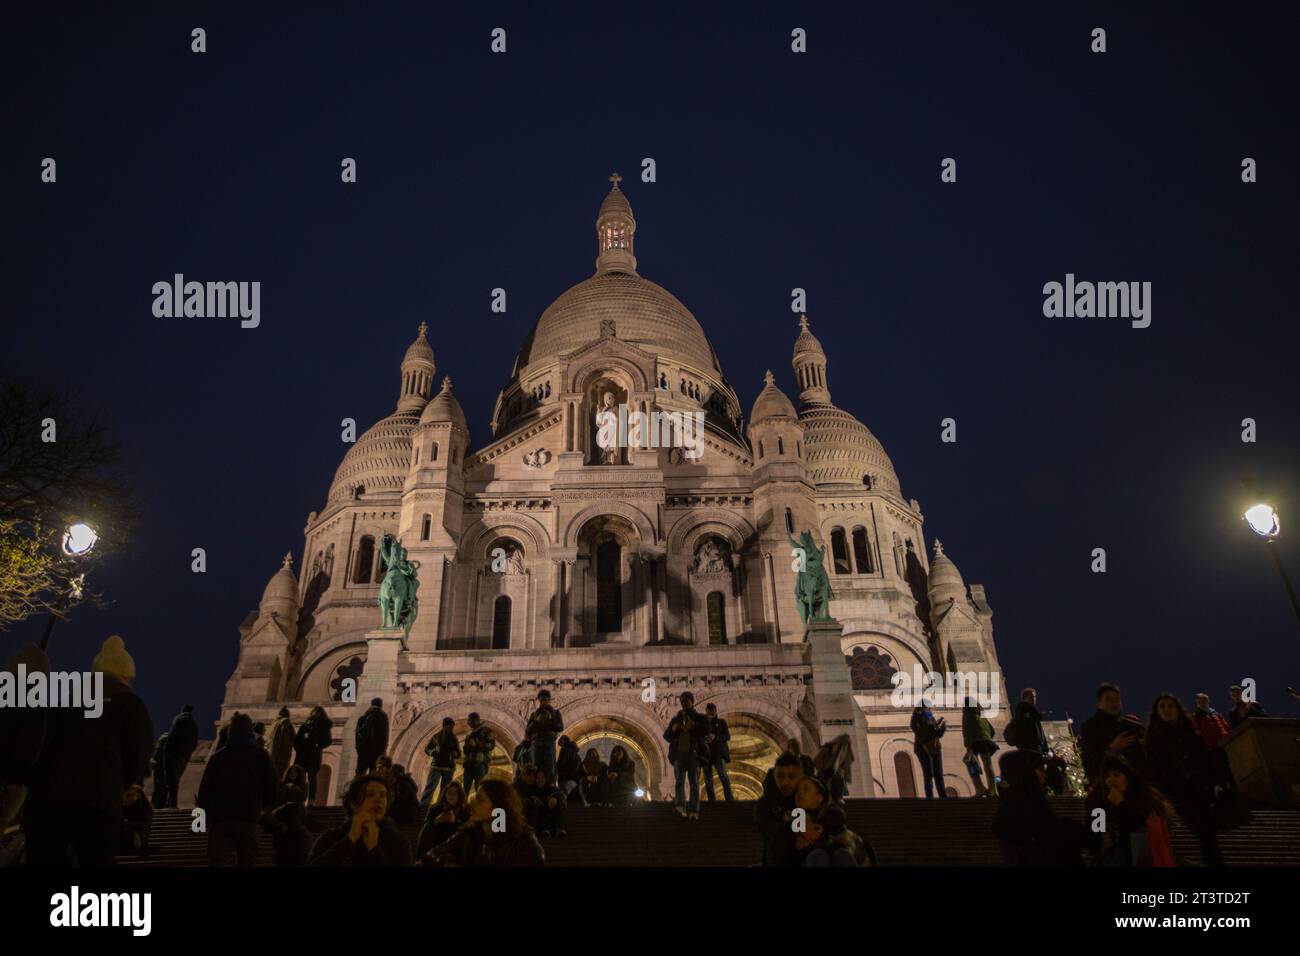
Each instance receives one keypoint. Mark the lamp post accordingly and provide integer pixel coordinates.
(1263, 520)
(77, 541)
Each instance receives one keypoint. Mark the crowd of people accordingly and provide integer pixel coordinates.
(77, 784)
(1139, 775)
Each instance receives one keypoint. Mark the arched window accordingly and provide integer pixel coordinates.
(898, 554)
(780, 447)
(717, 618)
(501, 623)
(760, 449)
(906, 777)
(789, 521)
(866, 482)
(433, 452)
(455, 454)
(798, 448)
(425, 527)
(417, 454)
(609, 587)
(840, 552)
(364, 560)
(862, 551)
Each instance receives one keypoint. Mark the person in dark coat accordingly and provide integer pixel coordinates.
(620, 777)
(287, 823)
(479, 745)
(1029, 724)
(371, 736)
(237, 788)
(1180, 766)
(444, 818)
(1127, 804)
(546, 806)
(774, 812)
(568, 770)
(368, 836)
(717, 746)
(544, 725)
(315, 734)
(406, 796)
(74, 804)
(22, 735)
(595, 779)
(1110, 732)
(1242, 709)
(685, 734)
(926, 744)
(977, 735)
(158, 770)
(491, 839)
(280, 745)
(182, 739)
(1029, 832)
(443, 750)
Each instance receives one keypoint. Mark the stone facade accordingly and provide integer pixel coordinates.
(618, 580)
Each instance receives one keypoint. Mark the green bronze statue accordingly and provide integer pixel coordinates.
(812, 588)
(398, 603)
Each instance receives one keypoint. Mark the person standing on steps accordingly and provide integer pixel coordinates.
(315, 734)
(479, 744)
(1109, 732)
(977, 735)
(237, 788)
(182, 739)
(443, 749)
(719, 752)
(685, 736)
(371, 736)
(281, 742)
(926, 744)
(544, 725)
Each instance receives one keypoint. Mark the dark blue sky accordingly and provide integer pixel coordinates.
(774, 171)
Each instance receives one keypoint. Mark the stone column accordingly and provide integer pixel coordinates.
(379, 679)
(837, 711)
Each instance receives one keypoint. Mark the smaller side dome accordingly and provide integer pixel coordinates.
(771, 402)
(945, 580)
(281, 594)
(444, 408)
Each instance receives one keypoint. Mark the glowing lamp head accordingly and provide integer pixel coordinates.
(639, 793)
(1262, 520)
(79, 539)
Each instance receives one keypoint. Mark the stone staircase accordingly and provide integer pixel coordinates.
(904, 832)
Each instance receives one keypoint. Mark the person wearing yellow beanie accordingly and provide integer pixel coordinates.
(113, 659)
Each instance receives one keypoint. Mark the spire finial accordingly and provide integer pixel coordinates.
(288, 561)
(446, 383)
(616, 179)
(803, 323)
(424, 327)
(769, 378)
(938, 548)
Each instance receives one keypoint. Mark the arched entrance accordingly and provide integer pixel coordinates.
(605, 733)
(754, 747)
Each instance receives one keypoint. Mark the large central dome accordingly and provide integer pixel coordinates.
(645, 314)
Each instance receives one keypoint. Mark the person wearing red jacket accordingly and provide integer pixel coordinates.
(1212, 725)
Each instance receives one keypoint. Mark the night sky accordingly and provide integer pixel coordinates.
(775, 170)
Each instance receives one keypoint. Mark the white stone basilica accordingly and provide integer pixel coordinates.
(654, 567)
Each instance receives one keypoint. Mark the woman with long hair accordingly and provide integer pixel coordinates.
(443, 818)
(594, 782)
(1135, 816)
(621, 778)
(1181, 767)
(496, 833)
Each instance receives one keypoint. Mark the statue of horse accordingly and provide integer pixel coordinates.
(812, 590)
(398, 602)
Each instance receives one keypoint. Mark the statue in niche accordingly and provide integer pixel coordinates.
(607, 454)
(712, 557)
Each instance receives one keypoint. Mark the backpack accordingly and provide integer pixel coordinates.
(1016, 733)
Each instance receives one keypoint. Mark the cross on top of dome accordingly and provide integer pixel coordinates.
(769, 378)
(616, 179)
(288, 561)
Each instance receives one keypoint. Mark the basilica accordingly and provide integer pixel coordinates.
(619, 577)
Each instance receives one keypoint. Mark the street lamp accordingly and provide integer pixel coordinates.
(77, 541)
(1263, 520)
